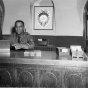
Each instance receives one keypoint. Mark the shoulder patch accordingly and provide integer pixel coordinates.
(26, 33)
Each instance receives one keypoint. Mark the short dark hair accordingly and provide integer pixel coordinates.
(19, 21)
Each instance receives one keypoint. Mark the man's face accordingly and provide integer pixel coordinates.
(19, 27)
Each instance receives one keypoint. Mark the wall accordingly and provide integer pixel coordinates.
(68, 19)
(68, 14)
(14, 10)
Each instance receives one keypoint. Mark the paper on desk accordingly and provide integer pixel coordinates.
(64, 50)
(75, 48)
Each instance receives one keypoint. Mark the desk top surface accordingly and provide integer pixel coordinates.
(41, 58)
(37, 54)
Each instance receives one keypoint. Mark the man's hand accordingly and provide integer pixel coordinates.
(23, 46)
(17, 46)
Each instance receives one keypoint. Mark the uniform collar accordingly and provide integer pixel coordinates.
(20, 34)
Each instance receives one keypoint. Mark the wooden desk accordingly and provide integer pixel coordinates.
(45, 71)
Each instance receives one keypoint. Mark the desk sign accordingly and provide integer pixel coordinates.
(29, 53)
(38, 53)
(33, 53)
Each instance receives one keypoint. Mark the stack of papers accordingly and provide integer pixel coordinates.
(4, 48)
(76, 52)
(4, 52)
(75, 48)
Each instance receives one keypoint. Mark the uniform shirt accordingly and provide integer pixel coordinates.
(24, 39)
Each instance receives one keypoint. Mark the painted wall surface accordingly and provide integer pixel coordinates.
(16, 10)
(68, 17)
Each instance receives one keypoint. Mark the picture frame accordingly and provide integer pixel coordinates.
(43, 17)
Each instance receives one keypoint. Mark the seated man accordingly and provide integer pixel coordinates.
(21, 39)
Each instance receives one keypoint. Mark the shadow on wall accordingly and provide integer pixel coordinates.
(2, 14)
(13, 30)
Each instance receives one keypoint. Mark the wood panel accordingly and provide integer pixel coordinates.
(43, 76)
(58, 41)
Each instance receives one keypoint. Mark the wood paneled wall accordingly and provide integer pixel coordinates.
(58, 41)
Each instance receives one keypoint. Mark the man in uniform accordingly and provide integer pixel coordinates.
(21, 39)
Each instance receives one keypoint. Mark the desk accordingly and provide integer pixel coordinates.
(45, 71)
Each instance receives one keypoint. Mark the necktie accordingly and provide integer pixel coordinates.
(18, 39)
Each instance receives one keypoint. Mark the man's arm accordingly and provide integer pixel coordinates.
(27, 46)
(30, 43)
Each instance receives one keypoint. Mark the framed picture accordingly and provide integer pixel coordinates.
(43, 17)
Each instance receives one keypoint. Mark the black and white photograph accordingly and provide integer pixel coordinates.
(43, 43)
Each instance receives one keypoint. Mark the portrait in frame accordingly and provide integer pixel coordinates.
(43, 18)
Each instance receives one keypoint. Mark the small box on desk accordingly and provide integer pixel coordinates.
(43, 42)
(62, 51)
